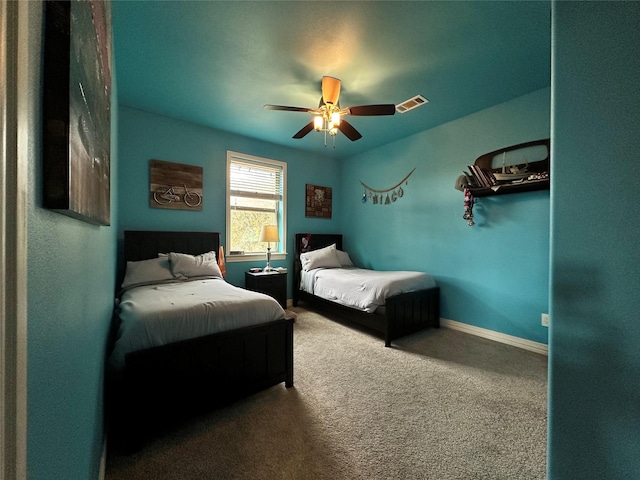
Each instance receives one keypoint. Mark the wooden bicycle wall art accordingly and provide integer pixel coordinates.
(175, 186)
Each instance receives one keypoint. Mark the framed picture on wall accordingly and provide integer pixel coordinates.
(175, 186)
(77, 109)
(318, 201)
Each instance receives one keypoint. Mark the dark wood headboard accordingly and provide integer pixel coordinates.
(142, 245)
(306, 242)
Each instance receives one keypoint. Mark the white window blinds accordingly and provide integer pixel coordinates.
(255, 180)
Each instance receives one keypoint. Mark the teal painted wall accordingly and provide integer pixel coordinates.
(482, 284)
(71, 271)
(144, 136)
(594, 337)
(594, 381)
(493, 275)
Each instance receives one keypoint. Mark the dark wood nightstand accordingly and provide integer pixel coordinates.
(271, 283)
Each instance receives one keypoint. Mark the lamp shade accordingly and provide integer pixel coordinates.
(269, 233)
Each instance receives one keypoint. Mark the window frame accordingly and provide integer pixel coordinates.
(253, 257)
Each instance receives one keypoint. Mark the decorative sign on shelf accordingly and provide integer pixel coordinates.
(318, 201)
(175, 186)
(386, 196)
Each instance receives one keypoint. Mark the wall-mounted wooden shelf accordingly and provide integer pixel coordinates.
(525, 186)
(485, 162)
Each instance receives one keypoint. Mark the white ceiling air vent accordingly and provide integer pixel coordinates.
(410, 104)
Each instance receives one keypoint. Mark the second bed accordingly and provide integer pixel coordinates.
(393, 303)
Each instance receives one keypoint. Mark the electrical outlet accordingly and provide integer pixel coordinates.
(544, 318)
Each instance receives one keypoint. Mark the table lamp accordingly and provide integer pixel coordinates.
(269, 233)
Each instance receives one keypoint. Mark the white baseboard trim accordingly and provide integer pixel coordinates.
(530, 345)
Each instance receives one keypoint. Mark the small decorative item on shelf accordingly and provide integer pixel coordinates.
(515, 172)
(382, 197)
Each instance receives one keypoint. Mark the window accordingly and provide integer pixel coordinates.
(256, 196)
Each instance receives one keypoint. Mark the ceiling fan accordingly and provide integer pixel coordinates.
(328, 115)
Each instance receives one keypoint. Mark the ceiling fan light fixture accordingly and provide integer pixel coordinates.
(327, 118)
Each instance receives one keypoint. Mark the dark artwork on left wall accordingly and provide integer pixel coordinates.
(77, 109)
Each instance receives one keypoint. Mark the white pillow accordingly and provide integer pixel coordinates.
(344, 259)
(147, 271)
(184, 265)
(322, 258)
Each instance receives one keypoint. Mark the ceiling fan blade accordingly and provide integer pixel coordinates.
(330, 90)
(371, 110)
(304, 130)
(287, 109)
(348, 130)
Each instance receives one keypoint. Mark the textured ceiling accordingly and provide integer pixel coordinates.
(217, 63)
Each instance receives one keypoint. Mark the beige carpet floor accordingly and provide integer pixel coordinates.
(438, 405)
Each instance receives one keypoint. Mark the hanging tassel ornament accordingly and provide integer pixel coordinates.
(468, 207)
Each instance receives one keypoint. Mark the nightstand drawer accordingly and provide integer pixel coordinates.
(273, 284)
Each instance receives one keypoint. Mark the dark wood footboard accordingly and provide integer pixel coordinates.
(163, 385)
(410, 312)
(404, 314)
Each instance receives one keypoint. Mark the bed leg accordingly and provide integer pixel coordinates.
(288, 382)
